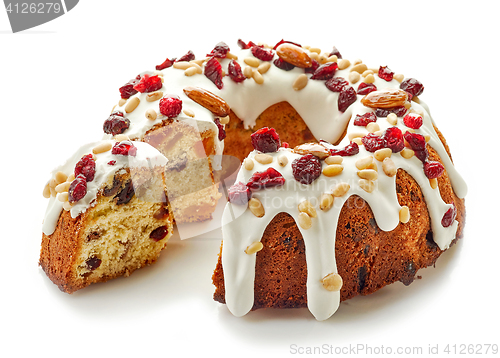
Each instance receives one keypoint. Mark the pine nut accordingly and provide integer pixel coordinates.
(357, 141)
(315, 49)
(354, 77)
(132, 104)
(364, 163)
(256, 207)
(334, 159)
(333, 58)
(252, 61)
(46, 191)
(257, 77)
(404, 214)
(151, 114)
(392, 118)
(122, 101)
(368, 72)
(369, 78)
(372, 127)
(191, 71)
(199, 70)
(351, 136)
(282, 160)
(343, 64)
(367, 185)
(341, 189)
(433, 182)
(102, 148)
(407, 153)
(190, 113)
(182, 65)
(306, 207)
(155, 96)
(368, 174)
(248, 72)
(359, 68)
(305, 221)
(248, 164)
(332, 170)
(399, 77)
(264, 67)
(381, 154)
(300, 82)
(326, 202)
(263, 158)
(63, 187)
(224, 120)
(62, 197)
(332, 282)
(121, 137)
(71, 177)
(231, 56)
(254, 247)
(67, 206)
(389, 167)
(60, 177)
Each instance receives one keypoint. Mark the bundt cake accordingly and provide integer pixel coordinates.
(107, 215)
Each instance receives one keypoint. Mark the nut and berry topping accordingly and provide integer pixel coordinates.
(306, 169)
(294, 55)
(266, 179)
(77, 189)
(220, 50)
(315, 149)
(394, 139)
(449, 216)
(127, 90)
(239, 194)
(373, 142)
(116, 124)
(336, 84)
(433, 169)
(207, 99)
(365, 88)
(124, 148)
(351, 149)
(234, 71)
(170, 106)
(363, 119)
(412, 86)
(262, 54)
(325, 72)
(385, 99)
(413, 120)
(213, 71)
(86, 167)
(148, 84)
(385, 73)
(416, 141)
(266, 140)
(222, 132)
(347, 97)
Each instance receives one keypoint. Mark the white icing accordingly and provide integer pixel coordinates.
(147, 157)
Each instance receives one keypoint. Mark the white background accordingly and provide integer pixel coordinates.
(59, 81)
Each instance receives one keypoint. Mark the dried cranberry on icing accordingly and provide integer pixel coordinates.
(124, 148)
(283, 65)
(116, 124)
(325, 72)
(363, 119)
(412, 120)
(222, 131)
(170, 106)
(266, 140)
(313, 68)
(336, 84)
(349, 150)
(266, 179)
(127, 90)
(373, 142)
(416, 141)
(148, 84)
(384, 112)
(423, 154)
(86, 167)
(159, 233)
(287, 42)
(239, 194)
(385, 73)
(412, 86)
(394, 139)
(347, 97)
(112, 162)
(433, 169)
(306, 169)
(365, 88)
(213, 71)
(220, 50)
(169, 62)
(335, 52)
(449, 216)
(189, 56)
(234, 71)
(244, 46)
(77, 189)
(262, 54)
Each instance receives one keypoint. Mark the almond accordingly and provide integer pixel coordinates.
(312, 148)
(385, 99)
(294, 55)
(207, 99)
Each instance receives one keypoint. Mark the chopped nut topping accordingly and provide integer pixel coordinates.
(254, 247)
(306, 207)
(332, 282)
(389, 167)
(132, 104)
(300, 82)
(256, 207)
(207, 99)
(385, 99)
(248, 164)
(326, 201)
(263, 158)
(367, 185)
(305, 221)
(404, 214)
(332, 170)
(341, 189)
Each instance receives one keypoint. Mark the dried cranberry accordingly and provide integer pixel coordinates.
(127, 90)
(350, 149)
(262, 54)
(189, 56)
(285, 145)
(166, 64)
(170, 106)
(287, 42)
(239, 194)
(385, 73)
(306, 169)
(283, 65)
(86, 167)
(449, 216)
(433, 169)
(159, 233)
(112, 162)
(222, 131)
(266, 140)
(234, 71)
(245, 46)
(347, 97)
(325, 72)
(363, 119)
(93, 263)
(124, 148)
(335, 52)
(313, 68)
(413, 121)
(116, 124)
(416, 141)
(269, 178)
(148, 84)
(365, 88)
(394, 140)
(213, 71)
(384, 112)
(412, 86)
(77, 189)
(423, 154)
(336, 84)
(220, 50)
(373, 142)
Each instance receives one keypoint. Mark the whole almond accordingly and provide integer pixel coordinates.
(312, 148)
(385, 99)
(294, 55)
(207, 99)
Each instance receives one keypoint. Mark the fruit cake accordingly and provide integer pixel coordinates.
(107, 216)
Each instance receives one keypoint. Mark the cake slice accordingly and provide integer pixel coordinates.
(107, 216)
